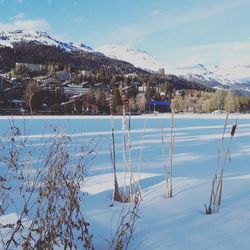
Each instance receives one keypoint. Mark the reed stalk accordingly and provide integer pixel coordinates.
(171, 151)
(140, 157)
(129, 154)
(116, 193)
(164, 160)
(124, 148)
(217, 183)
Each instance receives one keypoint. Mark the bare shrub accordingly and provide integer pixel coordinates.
(126, 226)
(50, 213)
(47, 200)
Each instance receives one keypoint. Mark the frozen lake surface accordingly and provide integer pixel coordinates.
(177, 223)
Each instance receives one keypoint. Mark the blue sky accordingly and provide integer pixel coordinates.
(177, 32)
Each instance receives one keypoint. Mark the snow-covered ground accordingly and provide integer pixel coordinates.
(136, 57)
(177, 223)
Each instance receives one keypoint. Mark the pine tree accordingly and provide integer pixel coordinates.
(231, 102)
(116, 101)
(219, 99)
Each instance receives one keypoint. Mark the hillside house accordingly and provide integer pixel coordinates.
(49, 83)
(79, 105)
(102, 86)
(142, 89)
(86, 73)
(71, 89)
(4, 83)
(63, 76)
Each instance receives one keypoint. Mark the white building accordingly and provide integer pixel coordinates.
(75, 89)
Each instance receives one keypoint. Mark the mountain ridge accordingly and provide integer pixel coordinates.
(138, 58)
(8, 38)
(235, 77)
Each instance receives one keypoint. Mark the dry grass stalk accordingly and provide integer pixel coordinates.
(171, 152)
(124, 148)
(217, 183)
(58, 219)
(221, 143)
(129, 154)
(126, 226)
(52, 200)
(140, 157)
(117, 195)
(132, 180)
(164, 161)
(51, 214)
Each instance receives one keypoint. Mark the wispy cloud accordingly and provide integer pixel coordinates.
(155, 12)
(140, 30)
(19, 16)
(25, 24)
(209, 54)
(19, 1)
(77, 19)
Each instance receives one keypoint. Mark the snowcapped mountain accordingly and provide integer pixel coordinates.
(223, 76)
(136, 57)
(8, 38)
(234, 77)
(201, 74)
(239, 73)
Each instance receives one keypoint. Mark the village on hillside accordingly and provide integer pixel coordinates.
(47, 89)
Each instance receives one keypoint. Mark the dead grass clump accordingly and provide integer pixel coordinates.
(126, 226)
(217, 182)
(48, 208)
(134, 187)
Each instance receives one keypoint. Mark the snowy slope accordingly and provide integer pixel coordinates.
(136, 57)
(177, 223)
(235, 77)
(237, 73)
(200, 73)
(39, 37)
(223, 76)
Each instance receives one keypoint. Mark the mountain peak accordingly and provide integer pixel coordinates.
(8, 38)
(138, 58)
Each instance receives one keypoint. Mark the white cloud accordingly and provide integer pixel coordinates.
(209, 54)
(19, 16)
(155, 13)
(19, 1)
(77, 19)
(140, 30)
(25, 24)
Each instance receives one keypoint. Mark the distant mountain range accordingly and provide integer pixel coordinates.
(235, 77)
(40, 48)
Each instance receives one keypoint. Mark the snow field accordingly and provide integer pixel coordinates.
(177, 223)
